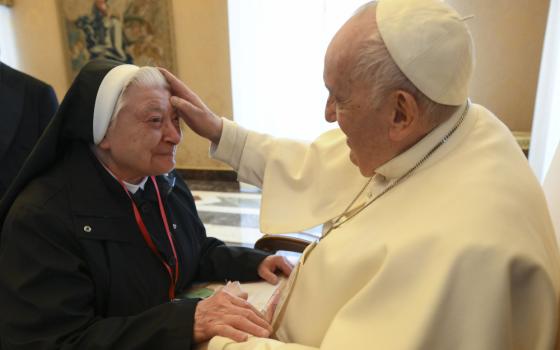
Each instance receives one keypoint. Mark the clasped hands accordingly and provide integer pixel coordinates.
(228, 313)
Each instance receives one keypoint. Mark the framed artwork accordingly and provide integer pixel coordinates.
(130, 31)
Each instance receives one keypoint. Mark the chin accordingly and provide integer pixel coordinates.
(366, 172)
(164, 168)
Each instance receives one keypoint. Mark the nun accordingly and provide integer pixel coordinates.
(100, 235)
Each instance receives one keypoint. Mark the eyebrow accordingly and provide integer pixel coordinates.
(153, 107)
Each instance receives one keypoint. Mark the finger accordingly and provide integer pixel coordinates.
(232, 333)
(248, 312)
(174, 82)
(285, 266)
(268, 276)
(238, 302)
(186, 108)
(246, 325)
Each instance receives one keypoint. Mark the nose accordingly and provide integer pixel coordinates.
(172, 131)
(330, 110)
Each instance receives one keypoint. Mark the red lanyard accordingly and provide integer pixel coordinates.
(173, 272)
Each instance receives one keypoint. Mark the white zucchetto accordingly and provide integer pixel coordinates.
(431, 44)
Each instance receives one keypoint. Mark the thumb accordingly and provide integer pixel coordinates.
(180, 104)
(269, 276)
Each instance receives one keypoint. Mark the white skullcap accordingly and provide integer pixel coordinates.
(431, 45)
(107, 95)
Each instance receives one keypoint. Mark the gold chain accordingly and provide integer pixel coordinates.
(347, 215)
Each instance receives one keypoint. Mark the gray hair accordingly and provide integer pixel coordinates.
(147, 77)
(375, 66)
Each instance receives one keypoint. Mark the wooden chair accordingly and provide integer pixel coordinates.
(290, 242)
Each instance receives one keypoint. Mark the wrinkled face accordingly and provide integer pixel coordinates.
(362, 123)
(142, 139)
(350, 102)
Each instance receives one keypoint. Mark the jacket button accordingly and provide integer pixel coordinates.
(87, 228)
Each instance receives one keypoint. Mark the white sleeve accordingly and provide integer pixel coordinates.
(231, 144)
(308, 182)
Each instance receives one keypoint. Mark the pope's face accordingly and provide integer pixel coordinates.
(365, 126)
(142, 139)
(350, 102)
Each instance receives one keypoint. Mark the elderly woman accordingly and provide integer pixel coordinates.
(99, 235)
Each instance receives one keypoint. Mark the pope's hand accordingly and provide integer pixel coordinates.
(192, 110)
(229, 316)
(272, 264)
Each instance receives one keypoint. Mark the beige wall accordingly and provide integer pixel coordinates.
(508, 36)
(201, 34)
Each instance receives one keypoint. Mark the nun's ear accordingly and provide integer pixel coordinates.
(105, 144)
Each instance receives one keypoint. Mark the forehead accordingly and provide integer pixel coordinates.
(137, 95)
(343, 49)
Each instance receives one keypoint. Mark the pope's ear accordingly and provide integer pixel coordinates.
(406, 116)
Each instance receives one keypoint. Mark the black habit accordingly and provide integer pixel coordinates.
(75, 271)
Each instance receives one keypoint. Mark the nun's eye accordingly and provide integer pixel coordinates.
(155, 120)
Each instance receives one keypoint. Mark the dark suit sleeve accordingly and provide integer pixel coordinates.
(47, 295)
(48, 104)
(220, 262)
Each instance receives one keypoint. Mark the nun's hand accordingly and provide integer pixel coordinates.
(273, 264)
(229, 316)
(192, 110)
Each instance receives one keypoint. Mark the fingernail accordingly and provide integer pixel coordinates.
(174, 100)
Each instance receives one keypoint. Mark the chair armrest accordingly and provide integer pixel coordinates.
(273, 243)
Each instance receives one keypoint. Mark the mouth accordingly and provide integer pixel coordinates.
(166, 153)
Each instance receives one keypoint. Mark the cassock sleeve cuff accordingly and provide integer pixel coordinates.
(231, 145)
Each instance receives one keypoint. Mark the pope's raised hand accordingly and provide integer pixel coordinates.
(192, 109)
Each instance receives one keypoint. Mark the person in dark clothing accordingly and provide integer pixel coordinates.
(27, 106)
(99, 234)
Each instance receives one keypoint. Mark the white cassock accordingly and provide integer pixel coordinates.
(461, 255)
